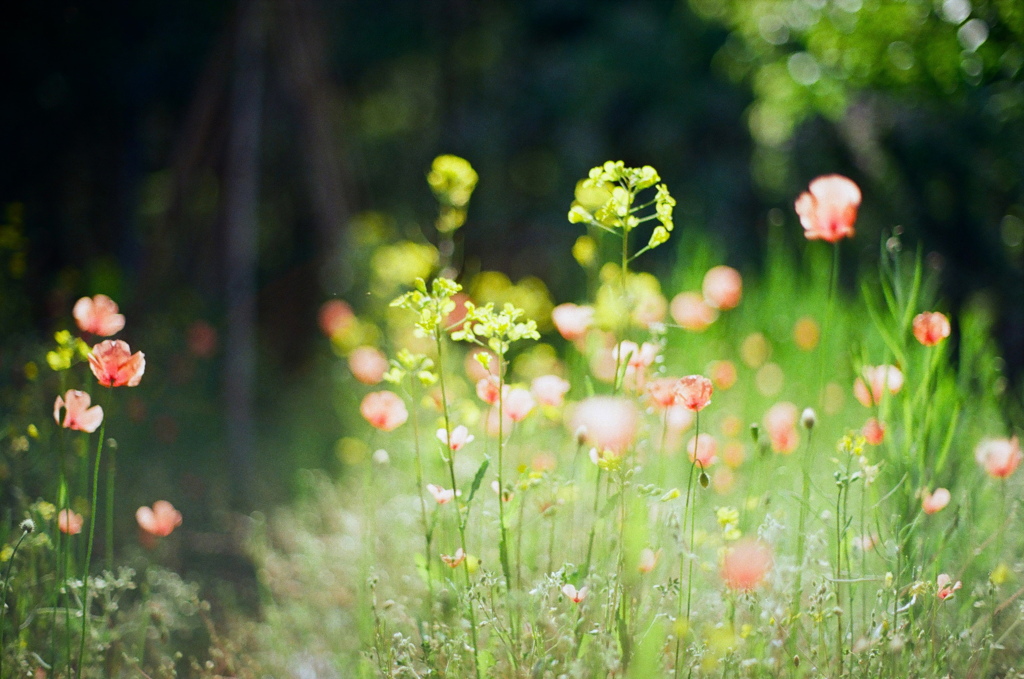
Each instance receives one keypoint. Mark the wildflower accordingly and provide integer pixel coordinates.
(609, 423)
(98, 316)
(703, 450)
(443, 495)
(723, 374)
(518, 404)
(481, 363)
(864, 543)
(828, 208)
(746, 565)
(487, 389)
(934, 502)
(549, 390)
(384, 410)
(572, 321)
(946, 590)
(77, 413)
(28, 526)
(723, 287)
(662, 392)
(114, 364)
(638, 358)
(931, 327)
(159, 521)
(873, 431)
(69, 522)
(460, 437)
(335, 317)
(870, 387)
(648, 560)
(780, 423)
(691, 312)
(574, 595)
(368, 364)
(455, 560)
(999, 457)
(694, 392)
(506, 495)
(809, 418)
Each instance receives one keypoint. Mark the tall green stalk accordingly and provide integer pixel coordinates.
(88, 551)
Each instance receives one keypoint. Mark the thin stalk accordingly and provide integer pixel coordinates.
(88, 550)
(456, 503)
(502, 530)
(111, 474)
(693, 515)
(3, 600)
(419, 487)
(686, 508)
(593, 526)
(805, 500)
(833, 282)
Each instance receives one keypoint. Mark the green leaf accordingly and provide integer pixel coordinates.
(478, 479)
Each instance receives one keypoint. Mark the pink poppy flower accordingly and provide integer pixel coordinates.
(487, 389)
(828, 208)
(518, 404)
(746, 565)
(384, 410)
(723, 287)
(934, 502)
(98, 316)
(114, 364)
(873, 431)
(703, 450)
(159, 521)
(460, 437)
(648, 560)
(723, 374)
(572, 321)
(368, 364)
(662, 392)
(335, 317)
(999, 457)
(573, 594)
(78, 415)
(69, 522)
(442, 495)
(694, 392)
(931, 327)
(780, 424)
(549, 390)
(606, 422)
(875, 380)
(649, 309)
(455, 560)
(691, 312)
(946, 590)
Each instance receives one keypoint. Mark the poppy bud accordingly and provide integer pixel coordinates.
(704, 479)
(755, 431)
(809, 418)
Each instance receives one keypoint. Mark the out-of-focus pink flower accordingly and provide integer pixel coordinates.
(518, 403)
(723, 374)
(201, 338)
(691, 312)
(946, 590)
(368, 364)
(780, 423)
(550, 390)
(335, 317)
(662, 392)
(384, 410)
(733, 454)
(828, 209)
(648, 560)
(98, 316)
(460, 437)
(77, 415)
(746, 565)
(442, 495)
(875, 380)
(873, 431)
(606, 422)
(864, 543)
(455, 560)
(114, 364)
(933, 502)
(806, 333)
(703, 450)
(453, 321)
(931, 327)
(69, 522)
(160, 521)
(637, 359)
(488, 390)
(572, 321)
(723, 287)
(694, 392)
(506, 495)
(999, 457)
(649, 309)
(573, 594)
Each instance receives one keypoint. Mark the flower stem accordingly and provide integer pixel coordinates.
(3, 599)
(423, 503)
(88, 551)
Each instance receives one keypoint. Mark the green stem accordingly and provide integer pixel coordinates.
(805, 500)
(88, 551)
(419, 488)
(833, 282)
(593, 526)
(3, 600)
(111, 473)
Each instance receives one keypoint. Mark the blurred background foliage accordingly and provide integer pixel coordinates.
(147, 147)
